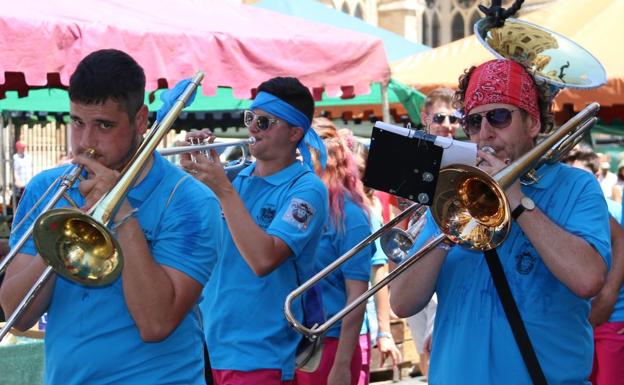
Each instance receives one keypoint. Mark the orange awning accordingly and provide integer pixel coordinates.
(596, 25)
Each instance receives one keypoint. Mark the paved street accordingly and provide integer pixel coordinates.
(404, 381)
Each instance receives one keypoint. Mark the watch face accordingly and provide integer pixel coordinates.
(527, 203)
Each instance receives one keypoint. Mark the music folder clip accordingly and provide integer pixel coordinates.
(406, 162)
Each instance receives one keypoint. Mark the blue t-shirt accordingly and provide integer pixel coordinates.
(471, 334)
(90, 336)
(243, 314)
(335, 243)
(379, 258)
(615, 209)
(618, 310)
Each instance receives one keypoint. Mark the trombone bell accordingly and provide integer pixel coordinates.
(471, 208)
(78, 247)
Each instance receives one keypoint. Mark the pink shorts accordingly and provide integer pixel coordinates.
(254, 377)
(365, 347)
(608, 355)
(319, 377)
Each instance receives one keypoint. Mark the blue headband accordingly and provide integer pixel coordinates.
(281, 109)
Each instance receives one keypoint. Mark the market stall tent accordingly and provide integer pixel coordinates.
(595, 25)
(237, 46)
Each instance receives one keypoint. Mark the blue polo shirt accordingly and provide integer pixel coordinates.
(471, 334)
(243, 314)
(379, 258)
(335, 243)
(90, 336)
(618, 310)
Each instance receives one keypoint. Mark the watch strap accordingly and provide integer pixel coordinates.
(517, 211)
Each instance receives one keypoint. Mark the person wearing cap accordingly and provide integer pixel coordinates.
(275, 210)
(606, 178)
(22, 168)
(555, 257)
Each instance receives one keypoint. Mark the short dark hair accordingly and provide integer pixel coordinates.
(544, 99)
(292, 91)
(109, 74)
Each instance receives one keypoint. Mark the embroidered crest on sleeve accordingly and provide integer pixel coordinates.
(299, 213)
(266, 215)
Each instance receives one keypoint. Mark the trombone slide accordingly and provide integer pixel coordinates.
(319, 330)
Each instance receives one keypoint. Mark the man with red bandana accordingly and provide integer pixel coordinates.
(555, 257)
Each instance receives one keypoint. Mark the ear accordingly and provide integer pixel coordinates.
(533, 127)
(140, 120)
(424, 116)
(296, 133)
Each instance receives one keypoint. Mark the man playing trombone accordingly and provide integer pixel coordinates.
(554, 258)
(141, 328)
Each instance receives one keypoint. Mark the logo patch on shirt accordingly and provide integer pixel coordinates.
(525, 262)
(299, 213)
(266, 215)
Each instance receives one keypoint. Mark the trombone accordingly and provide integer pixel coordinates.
(470, 208)
(79, 246)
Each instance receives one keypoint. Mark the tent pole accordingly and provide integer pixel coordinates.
(3, 163)
(385, 103)
(12, 167)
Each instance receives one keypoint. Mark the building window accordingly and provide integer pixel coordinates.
(435, 31)
(473, 20)
(466, 3)
(358, 12)
(345, 8)
(457, 27)
(426, 38)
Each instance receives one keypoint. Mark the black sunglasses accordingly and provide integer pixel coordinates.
(440, 117)
(497, 118)
(262, 122)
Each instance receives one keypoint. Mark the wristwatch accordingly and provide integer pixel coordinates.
(526, 203)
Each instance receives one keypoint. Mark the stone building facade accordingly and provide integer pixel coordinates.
(429, 22)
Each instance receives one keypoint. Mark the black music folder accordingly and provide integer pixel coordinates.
(403, 162)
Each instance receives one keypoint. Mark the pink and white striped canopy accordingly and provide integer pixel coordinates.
(237, 46)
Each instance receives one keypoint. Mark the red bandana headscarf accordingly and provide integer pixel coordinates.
(502, 81)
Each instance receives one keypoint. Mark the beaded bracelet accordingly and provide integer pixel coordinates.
(384, 335)
(123, 220)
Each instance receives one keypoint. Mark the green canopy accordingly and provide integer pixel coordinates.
(57, 100)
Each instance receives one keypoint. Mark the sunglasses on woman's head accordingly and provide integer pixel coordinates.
(497, 118)
(439, 118)
(262, 122)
